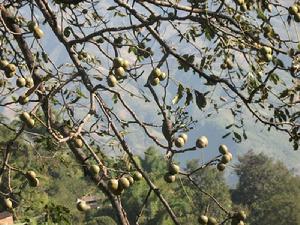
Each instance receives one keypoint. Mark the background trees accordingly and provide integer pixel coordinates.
(132, 74)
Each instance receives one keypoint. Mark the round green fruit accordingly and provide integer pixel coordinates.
(118, 62)
(24, 116)
(162, 76)
(112, 81)
(156, 73)
(225, 158)
(297, 17)
(34, 182)
(95, 169)
(169, 178)
(29, 82)
(184, 136)
(230, 155)
(223, 149)
(293, 10)
(125, 64)
(10, 68)
(268, 57)
(202, 142)
(241, 215)
(212, 221)
(124, 183)
(38, 33)
(21, 82)
(203, 219)
(82, 206)
(30, 174)
(221, 166)
(229, 64)
(32, 25)
(119, 72)
(113, 184)
(3, 64)
(23, 100)
(137, 176)
(8, 203)
(131, 180)
(155, 81)
(30, 123)
(179, 142)
(173, 169)
(78, 143)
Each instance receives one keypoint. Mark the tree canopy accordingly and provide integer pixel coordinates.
(90, 84)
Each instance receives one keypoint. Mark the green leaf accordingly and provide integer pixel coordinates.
(200, 99)
(189, 97)
(179, 94)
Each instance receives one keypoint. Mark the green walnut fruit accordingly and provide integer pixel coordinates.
(130, 179)
(21, 82)
(119, 72)
(229, 63)
(8, 203)
(78, 143)
(241, 215)
(3, 64)
(137, 176)
(126, 64)
(230, 155)
(112, 81)
(113, 184)
(10, 68)
(202, 142)
(240, 2)
(155, 81)
(118, 62)
(29, 82)
(32, 25)
(221, 166)
(268, 57)
(212, 221)
(297, 17)
(156, 73)
(225, 158)
(162, 76)
(223, 66)
(179, 142)
(30, 123)
(95, 169)
(124, 183)
(23, 100)
(223, 149)
(241, 46)
(173, 169)
(30, 174)
(34, 182)
(293, 10)
(169, 178)
(24, 116)
(184, 136)
(67, 32)
(203, 219)
(82, 206)
(38, 33)
(266, 50)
